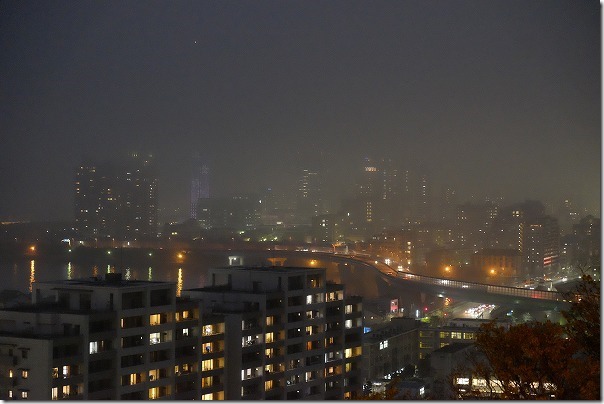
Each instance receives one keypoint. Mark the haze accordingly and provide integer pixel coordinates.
(489, 97)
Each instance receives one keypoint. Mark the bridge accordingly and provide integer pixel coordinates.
(474, 291)
(382, 280)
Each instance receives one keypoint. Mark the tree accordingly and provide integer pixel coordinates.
(583, 329)
(539, 360)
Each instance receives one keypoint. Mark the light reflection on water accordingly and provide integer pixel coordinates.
(20, 275)
(32, 274)
(179, 283)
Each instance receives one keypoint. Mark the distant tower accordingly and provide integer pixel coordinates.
(310, 195)
(200, 183)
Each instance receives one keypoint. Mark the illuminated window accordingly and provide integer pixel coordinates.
(24, 394)
(207, 365)
(463, 380)
(185, 332)
(66, 371)
(468, 335)
(348, 324)
(384, 344)
(268, 385)
(153, 393)
(154, 319)
(55, 393)
(25, 373)
(348, 308)
(445, 334)
(94, 347)
(66, 390)
(207, 396)
(269, 337)
(270, 320)
(348, 353)
(55, 373)
(456, 335)
(206, 381)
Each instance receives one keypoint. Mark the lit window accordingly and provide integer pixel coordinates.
(208, 364)
(25, 373)
(24, 394)
(55, 393)
(10, 394)
(208, 396)
(154, 338)
(456, 335)
(94, 347)
(384, 344)
(153, 393)
(154, 319)
(185, 332)
(348, 323)
(463, 380)
(55, 373)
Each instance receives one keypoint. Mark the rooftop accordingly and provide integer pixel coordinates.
(111, 280)
(274, 269)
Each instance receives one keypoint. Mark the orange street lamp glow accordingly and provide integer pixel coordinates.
(32, 248)
(447, 268)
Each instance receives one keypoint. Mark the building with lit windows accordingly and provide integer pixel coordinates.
(289, 334)
(117, 201)
(101, 339)
(255, 333)
(390, 348)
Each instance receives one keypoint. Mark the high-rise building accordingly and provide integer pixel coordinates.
(117, 201)
(310, 195)
(289, 333)
(200, 183)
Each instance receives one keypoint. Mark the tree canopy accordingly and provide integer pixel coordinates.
(540, 360)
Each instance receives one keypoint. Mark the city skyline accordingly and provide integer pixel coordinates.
(489, 98)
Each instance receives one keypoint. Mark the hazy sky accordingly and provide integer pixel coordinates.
(491, 97)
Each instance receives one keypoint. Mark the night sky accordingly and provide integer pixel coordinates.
(489, 97)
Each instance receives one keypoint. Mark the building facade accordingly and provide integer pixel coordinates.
(254, 334)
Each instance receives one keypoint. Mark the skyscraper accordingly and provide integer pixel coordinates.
(310, 195)
(118, 201)
(200, 183)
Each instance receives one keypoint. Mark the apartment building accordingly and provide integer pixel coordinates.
(290, 334)
(390, 348)
(253, 334)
